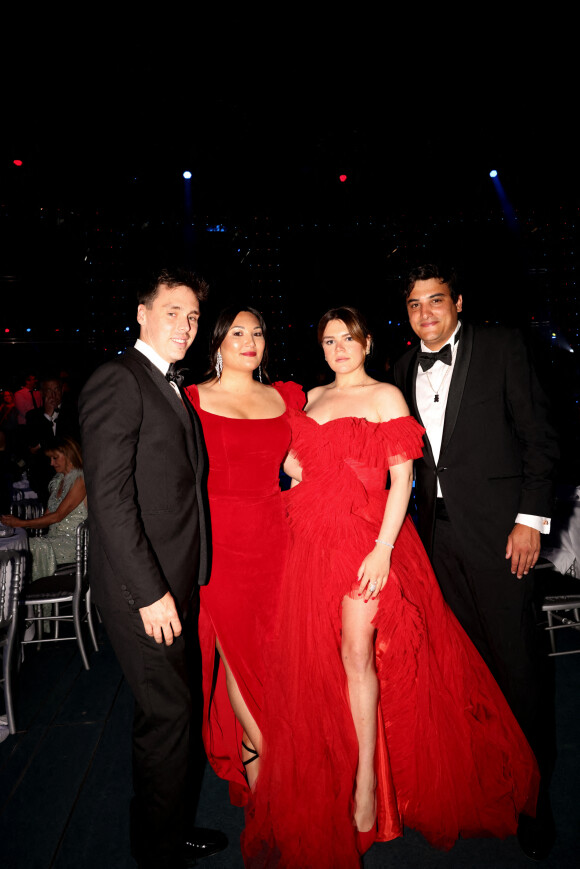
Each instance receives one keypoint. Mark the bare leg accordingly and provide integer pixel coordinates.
(363, 688)
(251, 735)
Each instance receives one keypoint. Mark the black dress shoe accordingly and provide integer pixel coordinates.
(537, 835)
(202, 842)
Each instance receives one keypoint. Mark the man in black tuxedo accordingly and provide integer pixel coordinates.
(56, 416)
(145, 470)
(483, 491)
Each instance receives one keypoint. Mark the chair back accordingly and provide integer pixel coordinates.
(82, 550)
(12, 567)
(27, 509)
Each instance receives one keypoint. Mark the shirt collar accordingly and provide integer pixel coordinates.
(452, 340)
(151, 354)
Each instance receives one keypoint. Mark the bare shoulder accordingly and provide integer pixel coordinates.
(390, 402)
(314, 394)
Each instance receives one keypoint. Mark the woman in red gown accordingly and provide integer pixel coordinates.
(379, 712)
(247, 433)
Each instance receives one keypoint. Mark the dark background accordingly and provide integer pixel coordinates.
(266, 114)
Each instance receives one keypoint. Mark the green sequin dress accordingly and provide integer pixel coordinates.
(59, 545)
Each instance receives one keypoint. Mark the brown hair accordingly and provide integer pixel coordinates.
(352, 319)
(174, 278)
(69, 448)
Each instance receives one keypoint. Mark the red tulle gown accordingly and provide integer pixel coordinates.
(250, 541)
(451, 760)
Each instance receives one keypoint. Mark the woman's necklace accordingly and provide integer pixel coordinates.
(353, 385)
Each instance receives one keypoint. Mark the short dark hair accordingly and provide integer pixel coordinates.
(444, 273)
(352, 319)
(178, 277)
(223, 325)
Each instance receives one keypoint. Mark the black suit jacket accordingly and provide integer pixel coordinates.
(39, 428)
(146, 473)
(498, 450)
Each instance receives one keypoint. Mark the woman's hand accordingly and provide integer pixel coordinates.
(374, 572)
(12, 521)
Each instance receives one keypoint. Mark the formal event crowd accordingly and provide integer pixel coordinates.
(363, 669)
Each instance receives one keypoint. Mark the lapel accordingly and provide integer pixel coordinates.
(197, 432)
(457, 384)
(166, 390)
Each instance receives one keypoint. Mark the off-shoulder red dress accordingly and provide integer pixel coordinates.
(451, 759)
(249, 542)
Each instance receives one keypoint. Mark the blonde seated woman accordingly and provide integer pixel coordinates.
(66, 509)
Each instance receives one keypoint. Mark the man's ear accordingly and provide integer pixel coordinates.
(459, 304)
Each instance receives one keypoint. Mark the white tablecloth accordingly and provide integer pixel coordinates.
(18, 540)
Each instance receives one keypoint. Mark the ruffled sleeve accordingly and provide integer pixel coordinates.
(402, 439)
(375, 444)
(193, 395)
(292, 393)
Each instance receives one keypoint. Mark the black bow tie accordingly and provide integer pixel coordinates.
(427, 360)
(175, 374)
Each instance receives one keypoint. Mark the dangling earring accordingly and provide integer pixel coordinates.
(219, 365)
(260, 372)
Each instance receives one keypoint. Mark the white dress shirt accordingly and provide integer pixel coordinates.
(157, 361)
(436, 381)
(52, 418)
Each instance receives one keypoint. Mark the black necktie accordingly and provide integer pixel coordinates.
(427, 360)
(175, 374)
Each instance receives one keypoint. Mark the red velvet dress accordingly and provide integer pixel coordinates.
(451, 760)
(249, 541)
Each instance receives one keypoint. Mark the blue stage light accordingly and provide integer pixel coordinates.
(187, 175)
(493, 173)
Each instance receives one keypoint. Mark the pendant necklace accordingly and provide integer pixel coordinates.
(438, 390)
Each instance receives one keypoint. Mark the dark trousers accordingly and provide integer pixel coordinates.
(159, 678)
(496, 610)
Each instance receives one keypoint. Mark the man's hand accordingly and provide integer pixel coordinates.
(523, 547)
(160, 620)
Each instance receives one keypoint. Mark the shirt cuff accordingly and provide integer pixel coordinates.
(540, 523)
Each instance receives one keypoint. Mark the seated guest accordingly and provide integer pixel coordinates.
(67, 508)
(55, 418)
(8, 412)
